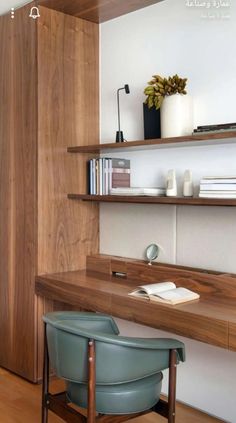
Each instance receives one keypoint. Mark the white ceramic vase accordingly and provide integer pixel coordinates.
(176, 116)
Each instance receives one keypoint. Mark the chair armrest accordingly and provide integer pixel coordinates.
(146, 343)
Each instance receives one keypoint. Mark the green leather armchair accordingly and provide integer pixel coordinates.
(107, 374)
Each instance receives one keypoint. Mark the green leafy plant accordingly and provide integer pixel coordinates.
(158, 88)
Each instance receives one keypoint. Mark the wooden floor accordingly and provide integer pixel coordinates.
(20, 403)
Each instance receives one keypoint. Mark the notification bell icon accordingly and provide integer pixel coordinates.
(34, 13)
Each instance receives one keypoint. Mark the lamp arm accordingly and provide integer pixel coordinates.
(118, 106)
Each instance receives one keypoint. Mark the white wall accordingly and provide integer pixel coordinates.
(170, 38)
(6, 5)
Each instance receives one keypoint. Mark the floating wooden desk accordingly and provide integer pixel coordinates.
(212, 319)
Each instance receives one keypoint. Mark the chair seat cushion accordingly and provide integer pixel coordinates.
(124, 398)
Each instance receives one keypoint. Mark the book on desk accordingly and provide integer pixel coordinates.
(165, 292)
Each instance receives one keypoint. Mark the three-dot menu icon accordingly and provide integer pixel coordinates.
(12, 12)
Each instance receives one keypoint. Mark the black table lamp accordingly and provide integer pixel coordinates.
(119, 133)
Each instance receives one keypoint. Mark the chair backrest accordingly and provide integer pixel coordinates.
(118, 359)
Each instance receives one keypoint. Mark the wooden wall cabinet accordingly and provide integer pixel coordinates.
(49, 100)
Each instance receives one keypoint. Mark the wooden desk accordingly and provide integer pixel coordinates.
(212, 319)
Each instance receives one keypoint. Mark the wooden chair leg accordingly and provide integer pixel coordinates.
(172, 386)
(92, 382)
(45, 385)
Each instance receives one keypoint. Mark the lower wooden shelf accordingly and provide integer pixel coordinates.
(195, 201)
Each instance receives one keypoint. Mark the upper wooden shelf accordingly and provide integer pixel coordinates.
(181, 201)
(191, 140)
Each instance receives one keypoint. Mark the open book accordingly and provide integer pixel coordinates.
(165, 292)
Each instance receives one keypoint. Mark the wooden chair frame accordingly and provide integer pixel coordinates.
(59, 405)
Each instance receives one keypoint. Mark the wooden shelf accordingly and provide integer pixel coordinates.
(191, 140)
(209, 139)
(182, 201)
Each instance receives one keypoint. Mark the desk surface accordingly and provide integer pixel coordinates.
(211, 320)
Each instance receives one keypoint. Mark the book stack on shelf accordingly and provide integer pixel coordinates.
(211, 129)
(135, 191)
(107, 173)
(218, 187)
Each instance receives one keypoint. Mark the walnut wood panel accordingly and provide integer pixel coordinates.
(232, 336)
(222, 285)
(68, 113)
(206, 282)
(99, 263)
(97, 10)
(178, 321)
(95, 261)
(6, 192)
(76, 295)
(181, 201)
(80, 282)
(18, 193)
(206, 320)
(106, 264)
(45, 105)
(190, 140)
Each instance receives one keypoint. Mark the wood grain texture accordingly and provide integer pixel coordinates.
(74, 294)
(99, 263)
(95, 260)
(58, 404)
(68, 113)
(181, 201)
(180, 321)
(18, 192)
(97, 10)
(110, 295)
(6, 191)
(155, 143)
(46, 105)
(222, 286)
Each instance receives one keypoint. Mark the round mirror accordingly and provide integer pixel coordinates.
(152, 252)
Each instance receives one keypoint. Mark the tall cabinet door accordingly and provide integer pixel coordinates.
(6, 190)
(18, 192)
(68, 98)
(50, 99)
(68, 103)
